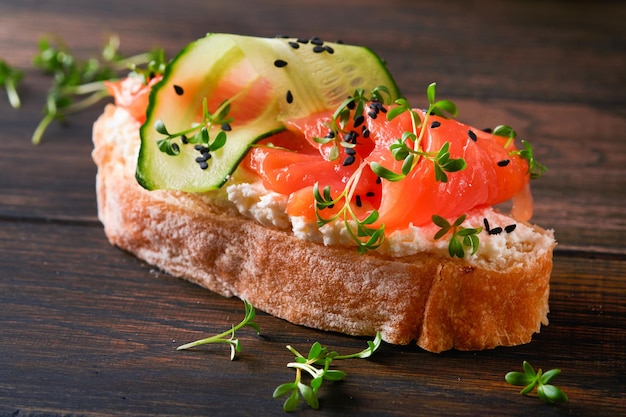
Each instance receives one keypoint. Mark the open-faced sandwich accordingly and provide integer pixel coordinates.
(291, 173)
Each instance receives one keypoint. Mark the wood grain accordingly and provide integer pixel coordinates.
(103, 338)
(88, 330)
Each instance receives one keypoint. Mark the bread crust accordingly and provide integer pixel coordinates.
(439, 302)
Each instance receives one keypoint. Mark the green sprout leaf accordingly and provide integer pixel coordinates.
(408, 148)
(461, 237)
(198, 133)
(316, 364)
(535, 169)
(228, 336)
(79, 84)
(385, 173)
(159, 126)
(529, 379)
(10, 78)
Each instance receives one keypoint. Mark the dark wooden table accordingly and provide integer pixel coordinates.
(86, 329)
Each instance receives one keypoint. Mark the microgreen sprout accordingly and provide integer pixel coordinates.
(408, 148)
(317, 365)
(198, 133)
(349, 111)
(365, 236)
(229, 335)
(10, 78)
(352, 109)
(535, 169)
(529, 379)
(461, 237)
(79, 84)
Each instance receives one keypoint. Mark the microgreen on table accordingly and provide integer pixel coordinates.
(529, 379)
(78, 84)
(317, 365)
(10, 78)
(228, 336)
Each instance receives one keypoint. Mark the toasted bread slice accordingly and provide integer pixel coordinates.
(496, 299)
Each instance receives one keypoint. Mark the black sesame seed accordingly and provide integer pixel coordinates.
(372, 114)
(201, 148)
(226, 127)
(365, 132)
(204, 165)
(316, 41)
(175, 147)
(435, 124)
(302, 40)
(330, 134)
(294, 45)
(358, 120)
(378, 106)
(504, 162)
(495, 231)
(339, 41)
(350, 137)
(179, 90)
(472, 135)
(329, 49)
(378, 180)
(370, 194)
(318, 48)
(488, 130)
(350, 151)
(358, 201)
(510, 228)
(183, 139)
(486, 223)
(289, 97)
(279, 63)
(282, 36)
(349, 160)
(351, 105)
(201, 159)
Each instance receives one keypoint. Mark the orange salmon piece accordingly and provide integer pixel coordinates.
(492, 176)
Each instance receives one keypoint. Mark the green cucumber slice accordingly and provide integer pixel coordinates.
(266, 80)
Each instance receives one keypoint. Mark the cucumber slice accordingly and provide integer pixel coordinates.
(266, 80)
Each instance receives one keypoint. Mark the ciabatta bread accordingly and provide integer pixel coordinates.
(497, 298)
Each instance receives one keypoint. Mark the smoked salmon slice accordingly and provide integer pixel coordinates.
(494, 172)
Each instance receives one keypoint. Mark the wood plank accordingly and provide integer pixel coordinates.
(547, 51)
(88, 329)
